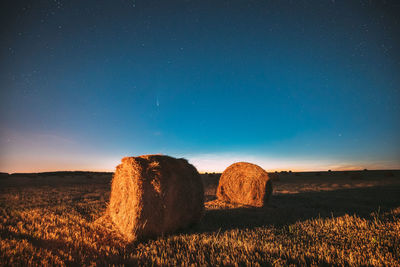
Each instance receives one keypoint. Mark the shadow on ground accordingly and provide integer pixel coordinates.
(286, 209)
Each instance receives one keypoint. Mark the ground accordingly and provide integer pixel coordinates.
(316, 218)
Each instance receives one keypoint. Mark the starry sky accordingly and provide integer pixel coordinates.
(299, 85)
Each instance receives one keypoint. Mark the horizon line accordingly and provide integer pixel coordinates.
(208, 172)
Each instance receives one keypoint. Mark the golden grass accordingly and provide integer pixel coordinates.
(328, 219)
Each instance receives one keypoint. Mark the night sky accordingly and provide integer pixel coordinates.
(300, 85)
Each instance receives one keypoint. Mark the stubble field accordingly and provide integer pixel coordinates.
(324, 218)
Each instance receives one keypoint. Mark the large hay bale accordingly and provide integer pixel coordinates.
(154, 194)
(245, 183)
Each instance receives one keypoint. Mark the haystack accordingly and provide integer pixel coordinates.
(245, 183)
(154, 194)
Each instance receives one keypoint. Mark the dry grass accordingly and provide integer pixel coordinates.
(310, 220)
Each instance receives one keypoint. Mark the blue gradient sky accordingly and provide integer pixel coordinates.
(301, 85)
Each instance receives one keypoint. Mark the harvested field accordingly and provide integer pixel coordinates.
(310, 219)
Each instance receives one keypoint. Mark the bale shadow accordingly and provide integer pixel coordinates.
(284, 209)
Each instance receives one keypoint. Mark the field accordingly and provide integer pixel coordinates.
(316, 218)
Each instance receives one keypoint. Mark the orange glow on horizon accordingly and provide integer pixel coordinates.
(216, 166)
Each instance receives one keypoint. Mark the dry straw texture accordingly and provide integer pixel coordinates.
(245, 183)
(154, 194)
(327, 220)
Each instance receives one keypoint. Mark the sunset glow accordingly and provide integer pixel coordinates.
(268, 82)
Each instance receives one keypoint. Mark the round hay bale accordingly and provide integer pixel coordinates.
(155, 194)
(245, 183)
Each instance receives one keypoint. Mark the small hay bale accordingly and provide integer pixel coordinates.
(245, 183)
(155, 194)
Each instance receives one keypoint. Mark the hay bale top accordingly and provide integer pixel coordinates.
(245, 169)
(149, 166)
(149, 158)
(245, 183)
